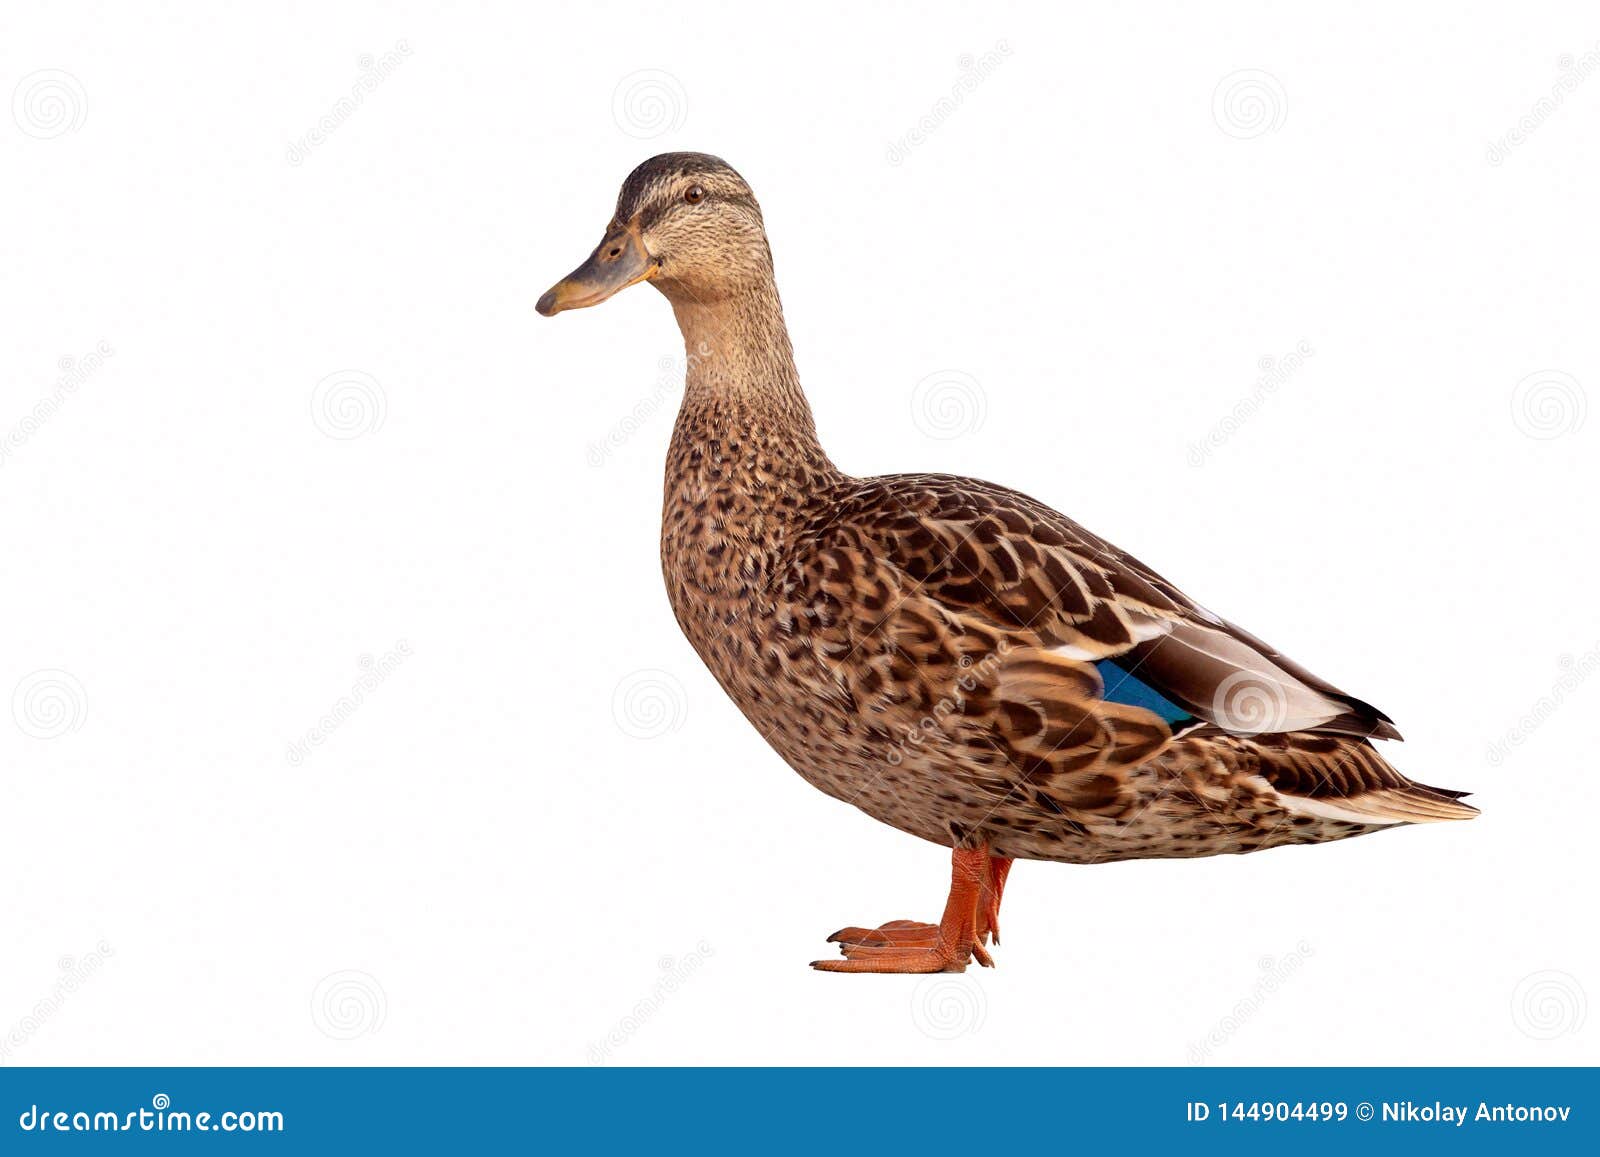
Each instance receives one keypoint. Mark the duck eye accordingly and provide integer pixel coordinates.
(694, 194)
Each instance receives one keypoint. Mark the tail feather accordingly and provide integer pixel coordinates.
(1346, 779)
(1406, 806)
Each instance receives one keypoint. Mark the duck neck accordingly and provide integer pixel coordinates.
(745, 465)
(741, 374)
(742, 402)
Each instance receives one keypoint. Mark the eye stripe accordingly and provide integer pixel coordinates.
(659, 209)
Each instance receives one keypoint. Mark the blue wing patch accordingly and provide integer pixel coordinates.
(1131, 691)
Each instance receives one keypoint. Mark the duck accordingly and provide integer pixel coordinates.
(952, 657)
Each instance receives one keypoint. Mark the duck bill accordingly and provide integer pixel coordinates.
(619, 261)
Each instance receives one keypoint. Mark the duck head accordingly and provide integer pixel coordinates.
(685, 222)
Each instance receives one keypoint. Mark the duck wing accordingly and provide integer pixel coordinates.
(979, 553)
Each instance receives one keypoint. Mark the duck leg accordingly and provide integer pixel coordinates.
(970, 918)
(989, 902)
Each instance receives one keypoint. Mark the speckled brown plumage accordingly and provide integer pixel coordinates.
(925, 647)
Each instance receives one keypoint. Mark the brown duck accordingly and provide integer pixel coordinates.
(950, 656)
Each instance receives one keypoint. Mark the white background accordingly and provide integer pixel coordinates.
(518, 849)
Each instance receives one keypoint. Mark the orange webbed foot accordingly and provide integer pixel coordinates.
(908, 946)
(896, 958)
(905, 933)
(911, 946)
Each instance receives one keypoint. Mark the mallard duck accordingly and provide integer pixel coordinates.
(950, 656)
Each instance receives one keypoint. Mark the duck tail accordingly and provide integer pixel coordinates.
(1334, 777)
